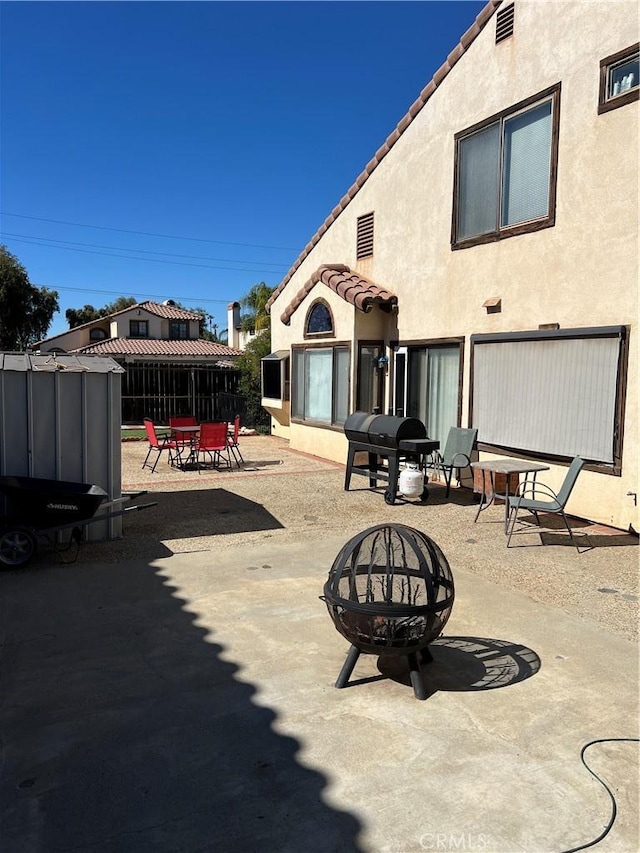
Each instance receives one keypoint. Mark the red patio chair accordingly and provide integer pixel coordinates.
(159, 444)
(232, 441)
(213, 440)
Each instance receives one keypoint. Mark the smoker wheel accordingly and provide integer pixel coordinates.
(389, 497)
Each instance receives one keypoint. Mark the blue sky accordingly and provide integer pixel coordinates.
(222, 133)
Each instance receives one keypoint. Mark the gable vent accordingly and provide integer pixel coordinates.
(364, 238)
(504, 23)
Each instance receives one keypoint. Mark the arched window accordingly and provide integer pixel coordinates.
(97, 335)
(319, 320)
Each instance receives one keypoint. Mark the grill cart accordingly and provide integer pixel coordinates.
(31, 508)
(388, 438)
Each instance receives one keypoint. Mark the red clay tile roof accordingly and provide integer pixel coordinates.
(169, 312)
(145, 346)
(351, 286)
(467, 39)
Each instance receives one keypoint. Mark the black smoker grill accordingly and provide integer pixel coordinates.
(390, 591)
(390, 438)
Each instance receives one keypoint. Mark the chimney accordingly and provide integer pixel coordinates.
(233, 325)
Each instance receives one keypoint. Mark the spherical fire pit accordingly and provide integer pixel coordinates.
(390, 592)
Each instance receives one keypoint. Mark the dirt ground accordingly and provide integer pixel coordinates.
(285, 494)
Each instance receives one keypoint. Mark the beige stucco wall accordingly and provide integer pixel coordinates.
(581, 272)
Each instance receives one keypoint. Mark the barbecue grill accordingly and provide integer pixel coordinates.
(385, 437)
(390, 592)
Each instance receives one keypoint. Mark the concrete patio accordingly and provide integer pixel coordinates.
(173, 691)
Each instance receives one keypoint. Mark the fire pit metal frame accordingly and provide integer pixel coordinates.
(390, 591)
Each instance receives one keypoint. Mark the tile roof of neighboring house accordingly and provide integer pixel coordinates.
(169, 312)
(145, 346)
(166, 311)
(463, 45)
(351, 286)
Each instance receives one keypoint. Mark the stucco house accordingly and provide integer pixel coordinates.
(482, 270)
(169, 368)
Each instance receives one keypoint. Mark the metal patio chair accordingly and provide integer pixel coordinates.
(456, 454)
(213, 441)
(158, 443)
(543, 499)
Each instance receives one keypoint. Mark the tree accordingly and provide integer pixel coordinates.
(255, 317)
(26, 311)
(250, 377)
(79, 316)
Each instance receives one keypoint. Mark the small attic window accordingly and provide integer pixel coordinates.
(97, 334)
(364, 236)
(504, 23)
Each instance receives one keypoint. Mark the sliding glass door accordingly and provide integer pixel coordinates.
(427, 386)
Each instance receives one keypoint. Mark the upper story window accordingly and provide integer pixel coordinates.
(364, 236)
(619, 79)
(138, 328)
(505, 172)
(319, 320)
(178, 330)
(97, 335)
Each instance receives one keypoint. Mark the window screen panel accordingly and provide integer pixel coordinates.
(555, 396)
(297, 380)
(478, 182)
(527, 165)
(341, 385)
(317, 384)
(443, 368)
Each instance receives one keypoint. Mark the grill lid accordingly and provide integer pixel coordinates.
(382, 430)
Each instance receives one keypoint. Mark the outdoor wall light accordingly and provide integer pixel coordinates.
(382, 362)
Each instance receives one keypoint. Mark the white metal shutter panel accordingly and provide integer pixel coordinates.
(547, 396)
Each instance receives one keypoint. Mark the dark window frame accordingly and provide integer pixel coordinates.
(183, 324)
(606, 104)
(380, 374)
(328, 334)
(140, 324)
(503, 232)
(277, 362)
(614, 469)
(333, 345)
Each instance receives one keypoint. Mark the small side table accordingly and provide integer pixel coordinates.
(503, 466)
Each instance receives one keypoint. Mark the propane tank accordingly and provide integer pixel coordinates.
(411, 482)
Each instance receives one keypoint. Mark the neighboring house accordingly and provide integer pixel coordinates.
(483, 268)
(170, 369)
(237, 337)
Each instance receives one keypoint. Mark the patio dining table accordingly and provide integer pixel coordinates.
(187, 438)
(503, 466)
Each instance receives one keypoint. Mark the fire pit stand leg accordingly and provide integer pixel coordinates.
(416, 677)
(347, 667)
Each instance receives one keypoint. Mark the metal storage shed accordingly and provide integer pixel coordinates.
(60, 418)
